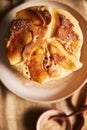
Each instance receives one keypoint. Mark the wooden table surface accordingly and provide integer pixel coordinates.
(19, 114)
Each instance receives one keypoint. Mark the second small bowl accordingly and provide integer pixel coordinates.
(46, 123)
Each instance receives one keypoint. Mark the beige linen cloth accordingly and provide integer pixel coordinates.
(19, 114)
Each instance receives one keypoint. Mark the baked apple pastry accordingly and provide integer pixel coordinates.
(44, 43)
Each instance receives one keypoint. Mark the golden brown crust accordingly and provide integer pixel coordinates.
(44, 43)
